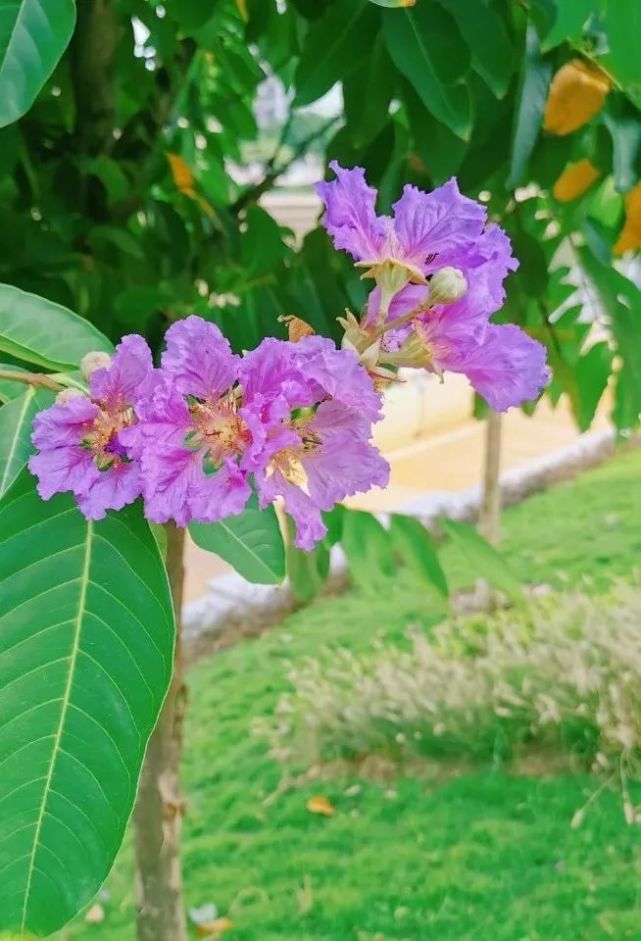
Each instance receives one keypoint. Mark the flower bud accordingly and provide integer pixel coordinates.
(446, 286)
(65, 395)
(90, 362)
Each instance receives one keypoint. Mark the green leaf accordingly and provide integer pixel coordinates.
(533, 267)
(368, 549)
(441, 151)
(485, 33)
(531, 96)
(394, 3)
(414, 544)
(484, 560)
(621, 300)
(367, 94)
(570, 18)
(427, 48)
(334, 47)
(624, 125)
(307, 571)
(623, 26)
(16, 419)
(33, 36)
(9, 389)
(86, 649)
(251, 542)
(592, 372)
(38, 331)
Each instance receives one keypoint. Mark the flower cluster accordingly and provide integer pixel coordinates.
(439, 269)
(291, 420)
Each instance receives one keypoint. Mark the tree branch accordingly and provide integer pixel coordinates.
(31, 379)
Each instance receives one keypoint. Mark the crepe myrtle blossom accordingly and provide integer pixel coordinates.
(440, 321)
(314, 406)
(80, 437)
(428, 231)
(191, 438)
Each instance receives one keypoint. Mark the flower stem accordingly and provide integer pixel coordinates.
(31, 379)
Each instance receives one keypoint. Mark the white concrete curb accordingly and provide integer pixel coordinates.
(231, 599)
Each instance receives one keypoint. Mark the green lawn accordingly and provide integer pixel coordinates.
(486, 855)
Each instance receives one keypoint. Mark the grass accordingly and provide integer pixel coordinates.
(486, 855)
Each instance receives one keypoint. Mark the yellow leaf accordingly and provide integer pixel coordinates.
(319, 804)
(182, 174)
(242, 9)
(575, 180)
(577, 93)
(215, 928)
(630, 237)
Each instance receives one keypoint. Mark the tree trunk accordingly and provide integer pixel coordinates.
(160, 806)
(490, 511)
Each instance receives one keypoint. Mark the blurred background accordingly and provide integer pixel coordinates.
(423, 734)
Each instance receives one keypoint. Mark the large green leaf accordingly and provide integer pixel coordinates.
(623, 25)
(16, 419)
(38, 331)
(334, 47)
(570, 18)
(427, 48)
(414, 544)
(485, 33)
(536, 73)
(592, 373)
(251, 542)
(484, 560)
(86, 648)
(33, 36)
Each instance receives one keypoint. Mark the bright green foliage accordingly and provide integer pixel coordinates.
(37, 331)
(86, 645)
(33, 36)
(483, 855)
(16, 419)
(483, 560)
(136, 221)
(414, 545)
(251, 542)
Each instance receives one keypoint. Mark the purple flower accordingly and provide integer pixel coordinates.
(80, 441)
(503, 364)
(191, 438)
(428, 230)
(315, 406)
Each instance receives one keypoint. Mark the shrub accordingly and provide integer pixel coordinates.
(564, 671)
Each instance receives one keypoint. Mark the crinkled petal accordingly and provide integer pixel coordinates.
(118, 385)
(438, 224)
(350, 214)
(199, 358)
(60, 470)
(507, 368)
(338, 375)
(113, 489)
(272, 381)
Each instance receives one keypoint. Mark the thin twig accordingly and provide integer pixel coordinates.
(31, 379)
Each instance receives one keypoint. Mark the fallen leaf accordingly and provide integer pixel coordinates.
(214, 929)
(319, 804)
(577, 92)
(630, 236)
(575, 180)
(95, 915)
